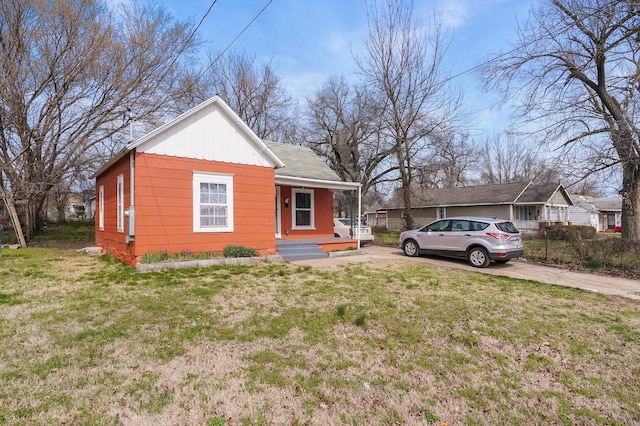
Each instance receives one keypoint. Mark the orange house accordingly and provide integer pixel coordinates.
(204, 181)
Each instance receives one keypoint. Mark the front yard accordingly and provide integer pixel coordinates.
(87, 340)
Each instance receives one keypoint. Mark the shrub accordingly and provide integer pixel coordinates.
(594, 264)
(155, 257)
(360, 320)
(239, 251)
(570, 233)
(187, 254)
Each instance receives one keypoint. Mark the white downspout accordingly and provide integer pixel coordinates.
(131, 178)
(131, 222)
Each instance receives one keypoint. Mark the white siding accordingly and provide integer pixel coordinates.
(578, 215)
(208, 134)
(499, 212)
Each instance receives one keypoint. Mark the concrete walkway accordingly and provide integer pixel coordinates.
(514, 269)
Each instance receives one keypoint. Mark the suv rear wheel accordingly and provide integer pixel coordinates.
(478, 257)
(411, 248)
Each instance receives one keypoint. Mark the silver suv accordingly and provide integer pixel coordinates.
(477, 239)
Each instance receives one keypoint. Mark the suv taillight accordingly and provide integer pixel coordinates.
(499, 235)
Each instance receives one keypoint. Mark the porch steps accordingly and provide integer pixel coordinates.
(292, 250)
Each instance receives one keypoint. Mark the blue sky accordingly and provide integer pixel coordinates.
(308, 41)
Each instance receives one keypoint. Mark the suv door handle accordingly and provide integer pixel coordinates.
(467, 235)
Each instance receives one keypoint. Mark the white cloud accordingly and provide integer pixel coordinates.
(453, 13)
(113, 4)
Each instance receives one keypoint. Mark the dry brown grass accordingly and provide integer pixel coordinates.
(89, 341)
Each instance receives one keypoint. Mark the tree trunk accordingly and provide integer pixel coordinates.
(406, 198)
(404, 167)
(631, 201)
(61, 214)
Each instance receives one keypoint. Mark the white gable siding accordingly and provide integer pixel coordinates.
(208, 134)
(559, 199)
(578, 215)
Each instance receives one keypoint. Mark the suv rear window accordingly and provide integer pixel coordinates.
(479, 226)
(507, 227)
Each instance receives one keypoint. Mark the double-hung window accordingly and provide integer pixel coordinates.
(101, 207)
(303, 209)
(212, 202)
(120, 203)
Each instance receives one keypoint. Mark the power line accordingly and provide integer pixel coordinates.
(234, 40)
(188, 40)
(193, 33)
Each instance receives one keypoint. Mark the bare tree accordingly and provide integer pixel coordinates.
(507, 159)
(403, 66)
(450, 160)
(576, 68)
(255, 93)
(344, 128)
(68, 71)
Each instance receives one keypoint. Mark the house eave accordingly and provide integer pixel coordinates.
(263, 148)
(317, 183)
(258, 143)
(111, 162)
(435, 206)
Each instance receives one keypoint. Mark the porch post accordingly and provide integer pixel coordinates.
(359, 207)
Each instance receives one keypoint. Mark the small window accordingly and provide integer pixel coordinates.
(212, 202)
(101, 208)
(120, 203)
(480, 226)
(303, 209)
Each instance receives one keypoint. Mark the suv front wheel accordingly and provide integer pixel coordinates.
(411, 248)
(478, 257)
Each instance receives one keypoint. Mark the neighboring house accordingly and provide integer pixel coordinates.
(375, 219)
(601, 213)
(204, 181)
(525, 204)
(74, 207)
(90, 212)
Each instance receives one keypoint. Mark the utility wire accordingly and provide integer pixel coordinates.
(193, 33)
(233, 41)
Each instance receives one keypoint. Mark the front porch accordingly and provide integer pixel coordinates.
(531, 218)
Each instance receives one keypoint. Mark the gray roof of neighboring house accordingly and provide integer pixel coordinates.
(540, 193)
(301, 162)
(503, 193)
(609, 204)
(602, 204)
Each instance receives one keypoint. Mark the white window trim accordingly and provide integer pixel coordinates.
(442, 212)
(120, 203)
(199, 177)
(101, 208)
(294, 208)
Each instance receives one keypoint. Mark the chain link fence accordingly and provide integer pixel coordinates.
(582, 247)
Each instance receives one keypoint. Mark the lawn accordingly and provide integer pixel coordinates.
(86, 340)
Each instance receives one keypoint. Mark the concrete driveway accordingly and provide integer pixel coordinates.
(514, 269)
